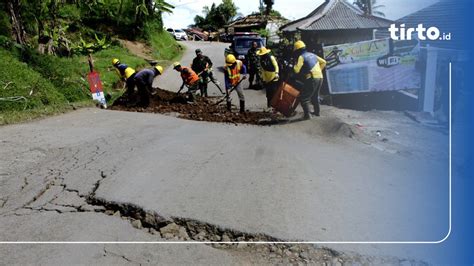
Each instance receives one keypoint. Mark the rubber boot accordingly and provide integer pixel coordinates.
(316, 107)
(307, 114)
(242, 106)
(229, 106)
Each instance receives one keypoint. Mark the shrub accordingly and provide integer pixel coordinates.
(18, 80)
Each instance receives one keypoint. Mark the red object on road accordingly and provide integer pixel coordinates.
(95, 86)
(285, 100)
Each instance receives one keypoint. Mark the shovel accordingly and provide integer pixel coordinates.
(228, 92)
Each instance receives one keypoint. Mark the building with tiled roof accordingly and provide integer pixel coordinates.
(335, 22)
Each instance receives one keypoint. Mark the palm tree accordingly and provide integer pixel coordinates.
(363, 5)
(163, 7)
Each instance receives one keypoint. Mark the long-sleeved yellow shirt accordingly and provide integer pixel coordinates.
(269, 76)
(310, 59)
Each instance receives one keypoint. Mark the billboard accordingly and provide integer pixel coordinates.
(371, 66)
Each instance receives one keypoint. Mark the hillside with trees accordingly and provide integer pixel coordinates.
(44, 46)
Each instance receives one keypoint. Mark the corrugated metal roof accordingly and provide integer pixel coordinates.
(336, 15)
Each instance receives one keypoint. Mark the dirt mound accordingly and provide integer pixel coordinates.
(202, 109)
(137, 48)
(336, 127)
(329, 127)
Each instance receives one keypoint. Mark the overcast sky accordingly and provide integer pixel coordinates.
(186, 10)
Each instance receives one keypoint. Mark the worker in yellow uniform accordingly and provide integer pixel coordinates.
(309, 71)
(268, 72)
(127, 74)
(232, 71)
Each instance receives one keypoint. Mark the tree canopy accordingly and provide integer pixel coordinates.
(35, 22)
(215, 16)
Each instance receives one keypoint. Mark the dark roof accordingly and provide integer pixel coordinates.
(445, 15)
(336, 15)
(255, 20)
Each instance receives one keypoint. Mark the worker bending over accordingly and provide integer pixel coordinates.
(127, 74)
(144, 81)
(232, 71)
(190, 79)
(309, 71)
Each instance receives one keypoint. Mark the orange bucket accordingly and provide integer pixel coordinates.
(285, 100)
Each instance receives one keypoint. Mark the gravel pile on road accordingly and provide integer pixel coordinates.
(202, 109)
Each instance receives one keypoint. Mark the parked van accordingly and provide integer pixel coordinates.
(241, 43)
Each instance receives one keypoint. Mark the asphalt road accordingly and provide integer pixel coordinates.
(305, 181)
(255, 99)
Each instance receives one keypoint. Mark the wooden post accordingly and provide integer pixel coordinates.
(91, 63)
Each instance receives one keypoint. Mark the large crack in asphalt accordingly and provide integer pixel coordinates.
(272, 248)
(178, 228)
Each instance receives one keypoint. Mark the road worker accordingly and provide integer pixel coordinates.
(269, 72)
(190, 79)
(127, 74)
(232, 71)
(202, 65)
(308, 70)
(144, 81)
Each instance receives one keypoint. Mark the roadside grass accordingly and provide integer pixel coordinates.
(49, 85)
(31, 89)
(165, 47)
(108, 75)
(52, 85)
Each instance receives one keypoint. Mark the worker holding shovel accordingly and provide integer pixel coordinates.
(203, 66)
(190, 79)
(232, 71)
(144, 80)
(127, 74)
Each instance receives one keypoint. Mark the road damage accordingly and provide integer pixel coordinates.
(201, 109)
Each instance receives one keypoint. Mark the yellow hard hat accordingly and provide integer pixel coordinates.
(176, 64)
(115, 61)
(160, 69)
(299, 45)
(230, 59)
(263, 51)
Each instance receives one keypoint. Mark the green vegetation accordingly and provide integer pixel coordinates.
(44, 46)
(215, 16)
(165, 46)
(29, 87)
(48, 84)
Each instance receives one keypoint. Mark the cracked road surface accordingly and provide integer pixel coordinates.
(98, 175)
